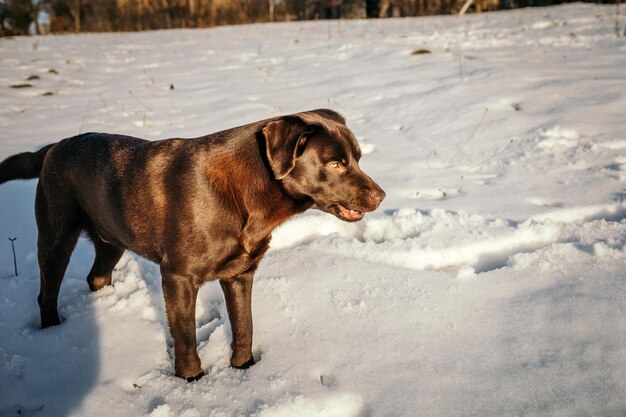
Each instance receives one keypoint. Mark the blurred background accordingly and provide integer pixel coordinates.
(21, 17)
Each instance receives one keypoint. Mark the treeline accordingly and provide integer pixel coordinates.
(18, 17)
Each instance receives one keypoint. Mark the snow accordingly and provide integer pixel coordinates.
(491, 282)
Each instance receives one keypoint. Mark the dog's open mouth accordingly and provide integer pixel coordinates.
(348, 214)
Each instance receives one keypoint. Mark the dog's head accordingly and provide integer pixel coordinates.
(316, 157)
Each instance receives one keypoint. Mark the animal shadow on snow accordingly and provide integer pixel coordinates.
(44, 372)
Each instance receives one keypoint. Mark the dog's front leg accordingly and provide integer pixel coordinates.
(180, 292)
(238, 295)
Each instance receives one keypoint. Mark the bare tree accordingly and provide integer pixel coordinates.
(75, 8)
(18, 14)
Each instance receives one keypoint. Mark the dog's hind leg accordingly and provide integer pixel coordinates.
(107, 256)
(59, 228)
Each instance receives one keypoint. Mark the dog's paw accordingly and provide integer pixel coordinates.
(195, 378)
(49, 319)
(245, 365)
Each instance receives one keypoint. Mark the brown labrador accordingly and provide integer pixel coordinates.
(202, 208)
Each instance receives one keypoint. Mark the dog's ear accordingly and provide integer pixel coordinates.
(285, 139)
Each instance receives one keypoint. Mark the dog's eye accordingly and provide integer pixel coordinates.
(336, 164)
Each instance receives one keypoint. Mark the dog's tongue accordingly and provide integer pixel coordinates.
(350, 214)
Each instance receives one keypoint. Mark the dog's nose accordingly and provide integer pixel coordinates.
(377, 195)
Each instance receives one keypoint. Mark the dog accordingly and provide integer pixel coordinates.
(201, 208)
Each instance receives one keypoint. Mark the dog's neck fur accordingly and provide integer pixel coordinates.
(261, 200)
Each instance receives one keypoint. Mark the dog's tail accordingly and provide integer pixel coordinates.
(23, 166)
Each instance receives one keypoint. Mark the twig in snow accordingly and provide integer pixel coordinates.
(461, 186)
(146, 108)
(617, 29)
(624, 34)
(14, 259)
(618, 32)
(498, 152)
(21, 108)
(149, 76)
(139, 101)
(418, 193)
(82, 123)
(449, 163)
(432, 196)
(428, 158)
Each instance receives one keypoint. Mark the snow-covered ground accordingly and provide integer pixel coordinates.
(492, 281)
